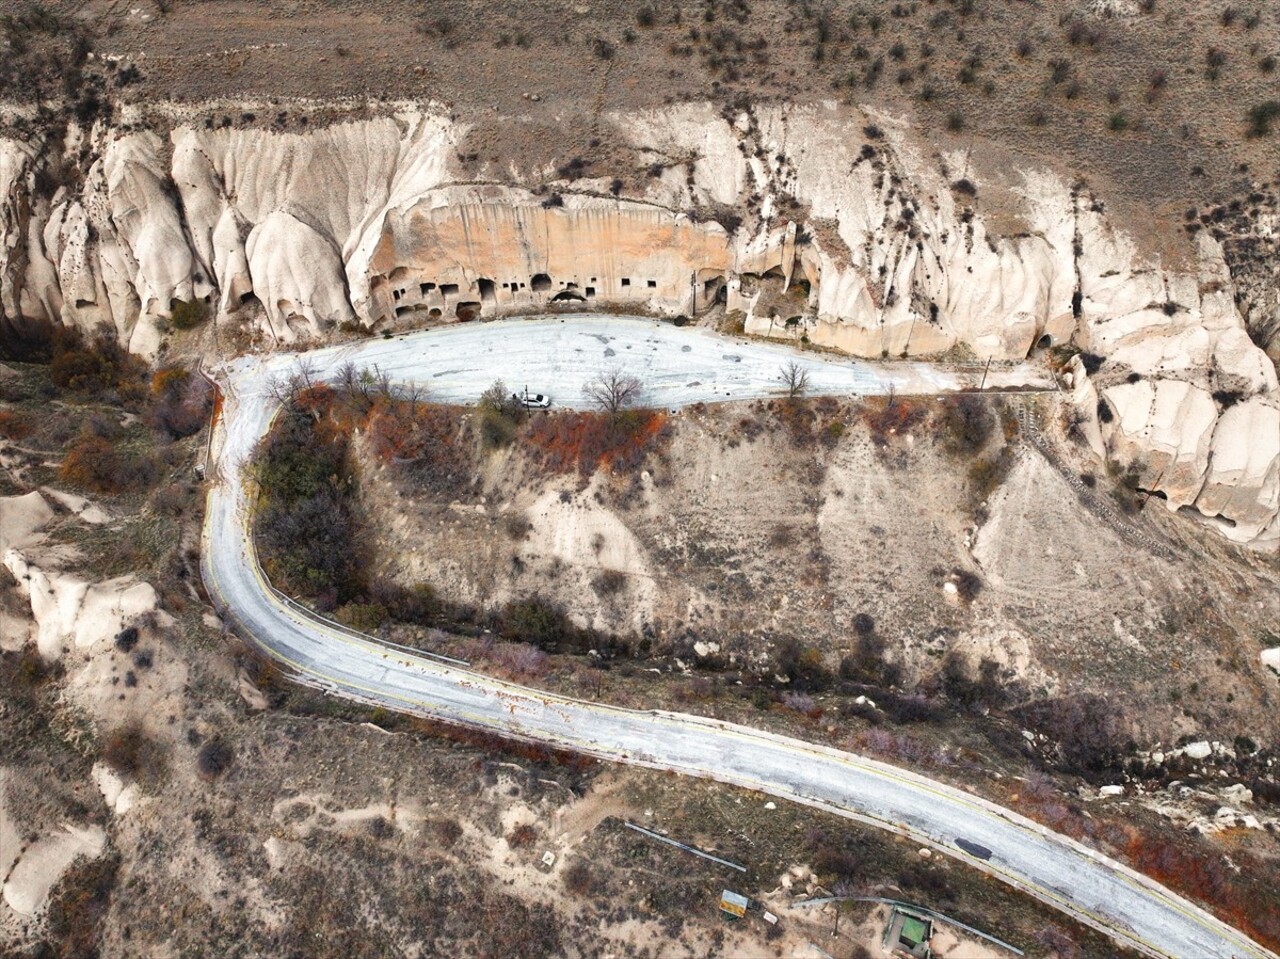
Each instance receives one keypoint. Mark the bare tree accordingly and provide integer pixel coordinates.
(413, 394)
(613, 391)
(353, 384)
(283, 389)
(796, 378)
(380, 384)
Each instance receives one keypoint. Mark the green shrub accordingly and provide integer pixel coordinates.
(500, 416)
(306, 525)
(188, 314)
(364, 617)
(536, 621)
(1261, 116)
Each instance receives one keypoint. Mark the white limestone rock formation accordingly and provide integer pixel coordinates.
(28, 884)
(1164, 428)
(858, 239)
(69, 609)
(1242, 484)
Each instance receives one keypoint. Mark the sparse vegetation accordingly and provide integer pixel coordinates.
(431, 456)
(78, 907)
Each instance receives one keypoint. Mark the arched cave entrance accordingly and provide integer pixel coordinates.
(714, 291)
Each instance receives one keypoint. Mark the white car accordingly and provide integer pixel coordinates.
(532, 401)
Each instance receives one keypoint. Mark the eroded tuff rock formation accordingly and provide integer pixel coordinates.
(854, 237)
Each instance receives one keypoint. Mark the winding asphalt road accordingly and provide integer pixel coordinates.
(679, 367)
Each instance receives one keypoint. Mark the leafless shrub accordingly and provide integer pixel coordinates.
(966, 424)
(446, 831)
(801, 703)
(781, 536)
(578, 878)
(1090, 731)
(129, 751)
(609, 582)
(519, 659)
(516, 526)
(171, 499)
(215, 758)
(968, 585)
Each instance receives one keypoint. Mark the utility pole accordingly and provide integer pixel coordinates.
(984, 375)
(693, 290)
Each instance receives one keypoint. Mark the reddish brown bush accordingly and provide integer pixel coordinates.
(94, 464)
(578, 878)
(567, 441)
(181, 402)
(1193, 868)
(128, 750)
(102, 369)
(522, 836)
(891, 416)
(15, 425)
(426, 441)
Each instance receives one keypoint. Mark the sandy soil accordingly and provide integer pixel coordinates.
(735, 538)
(982, 83)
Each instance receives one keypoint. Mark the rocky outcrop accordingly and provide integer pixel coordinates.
(67, 609)
(461, 251)
(816, 222)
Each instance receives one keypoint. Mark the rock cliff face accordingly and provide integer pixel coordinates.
(853, 237)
